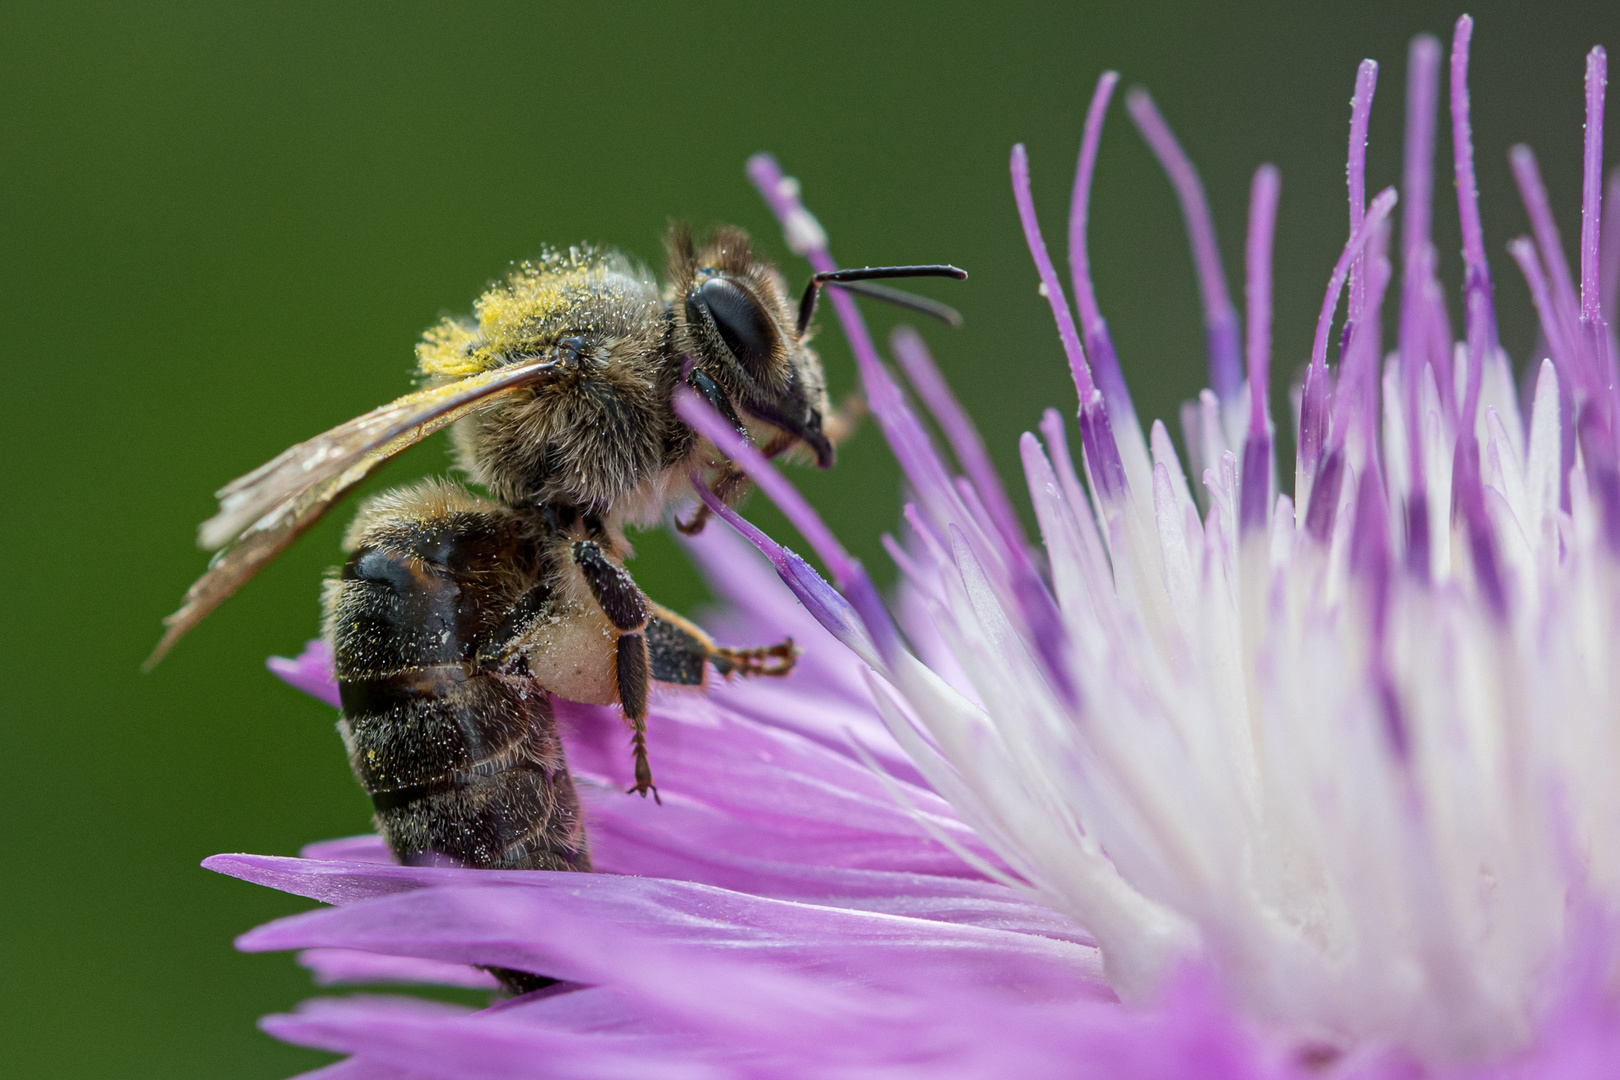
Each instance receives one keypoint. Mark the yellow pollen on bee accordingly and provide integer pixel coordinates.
(531, 294)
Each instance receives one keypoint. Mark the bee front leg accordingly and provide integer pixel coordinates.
(622, 601)
(726, 487)
(731, 480)
(838, 426)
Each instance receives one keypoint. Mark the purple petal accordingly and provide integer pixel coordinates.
(1480, 305)
(1094, 328)
(335, 967)
(712, 426)
(1314, 432)
(1380, 208)
(570, 926)
(1049, 280)
(959, 431)
(1609, 268)
(1220, 317)
(1462, 139)
(311, 672)
(574, 1033)
(1417, 176)
(1598, 450)
(1263, 193)
(1597, 72)
(806, 583)
(1360, 112)
(368, 848)
(757, 606)
(1370, 546)
(1254, 491)
(1468, 500)
(1564, 305)
(1323, 508)
(820, 599)
(1418, 258)
(356, 1069)
(763, 791)
(694, 839)
(788, 1029)
(1553, 327)
(670, 853)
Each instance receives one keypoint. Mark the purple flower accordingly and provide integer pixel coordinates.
(1224, 785)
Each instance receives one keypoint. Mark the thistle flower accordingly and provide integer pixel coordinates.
(1236, 785)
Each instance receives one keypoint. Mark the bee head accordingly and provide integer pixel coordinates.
(734, 318)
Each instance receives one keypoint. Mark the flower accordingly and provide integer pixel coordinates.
(1243, 785)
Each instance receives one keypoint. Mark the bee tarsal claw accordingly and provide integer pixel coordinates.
(639, 789)
(693, 525)
(644, 780)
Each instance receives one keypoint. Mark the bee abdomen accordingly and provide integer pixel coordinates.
(522, 818)
(421, 726)
(461, 758)
(465, 767)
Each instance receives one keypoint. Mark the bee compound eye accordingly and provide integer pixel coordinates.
(743, 325)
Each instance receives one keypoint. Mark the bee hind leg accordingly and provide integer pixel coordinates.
(773, 661)
(680, 653)
(631, 668)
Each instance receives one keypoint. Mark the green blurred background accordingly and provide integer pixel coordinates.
(224, 226)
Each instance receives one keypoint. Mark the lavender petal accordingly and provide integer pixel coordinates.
(310, 672)
(340, 967)
(571, 926)
(1220, 317)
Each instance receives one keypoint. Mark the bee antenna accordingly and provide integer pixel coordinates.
(846, 278)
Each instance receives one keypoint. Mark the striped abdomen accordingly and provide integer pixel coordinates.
(461, 760)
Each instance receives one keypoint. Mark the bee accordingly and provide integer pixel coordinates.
(456, 617)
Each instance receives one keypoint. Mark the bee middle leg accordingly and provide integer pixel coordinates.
(614, 590)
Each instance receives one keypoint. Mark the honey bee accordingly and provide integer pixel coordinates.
(457, 616)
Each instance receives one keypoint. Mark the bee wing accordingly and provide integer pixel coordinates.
(247, 499)
(260, 514)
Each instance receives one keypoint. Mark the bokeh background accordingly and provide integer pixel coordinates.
(223, 226)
